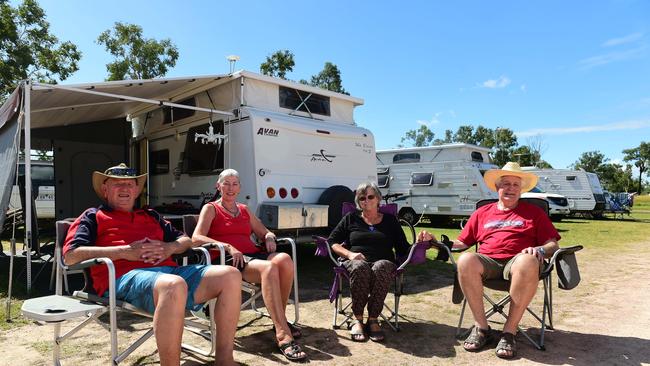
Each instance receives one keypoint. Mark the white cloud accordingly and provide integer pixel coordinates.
(623, 125)
(623, 40)
(610, 57)
(501, 82)
(434, 120)
(523, 88)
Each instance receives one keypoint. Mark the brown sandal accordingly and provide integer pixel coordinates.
(376, 335)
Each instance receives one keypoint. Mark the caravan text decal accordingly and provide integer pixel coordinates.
(268, 132)
(322, 157)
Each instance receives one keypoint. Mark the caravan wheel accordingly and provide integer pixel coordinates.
(334, 197)
(408, 215)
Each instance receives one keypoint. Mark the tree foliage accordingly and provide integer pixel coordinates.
(590, 161)
(423, 136)
(329, 78)
(640, 156)
(278, 64)
(28, 50)
(136, 57)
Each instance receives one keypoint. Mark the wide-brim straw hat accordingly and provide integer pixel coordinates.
(121, 171)
(528, 180)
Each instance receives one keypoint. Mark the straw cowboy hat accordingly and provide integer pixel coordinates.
(118, 172)
(528, 180)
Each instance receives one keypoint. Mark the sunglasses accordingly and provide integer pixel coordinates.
(121, 172)
(369, 197)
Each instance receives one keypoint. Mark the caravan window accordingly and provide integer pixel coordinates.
(382, 181)
(421, 179)
(200, 158)
(293, 99)
(171, 114)
(159, 162)
(477, 156)
(571, 177)
(406, 158)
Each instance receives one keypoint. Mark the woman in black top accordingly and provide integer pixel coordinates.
(367, 242)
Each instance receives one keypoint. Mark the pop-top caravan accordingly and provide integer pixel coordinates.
(444, 180)
(297, 149)
(582, 189)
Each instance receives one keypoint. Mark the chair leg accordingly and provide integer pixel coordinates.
(459, 333)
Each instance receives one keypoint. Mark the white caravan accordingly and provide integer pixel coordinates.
(297, 149)
(582, 189)
(443, 181)
(43, 183)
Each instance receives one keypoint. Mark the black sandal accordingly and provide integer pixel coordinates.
(507, 343)
(375, 335)
(291, 351)
(478, 338)
(358, 335)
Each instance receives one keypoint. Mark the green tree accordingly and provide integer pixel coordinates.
(640, 155)
(136, 57)
(423, 136)
(329, 78)
(278, 64)
(616, 179)
(28, 50)
(590, 161)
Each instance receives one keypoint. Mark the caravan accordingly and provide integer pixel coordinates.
(582, 189)
(297, 148)
(435, 181)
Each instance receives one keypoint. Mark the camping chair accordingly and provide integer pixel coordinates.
(253, 290)
(86, 304)
(416, 255)
(563, 260)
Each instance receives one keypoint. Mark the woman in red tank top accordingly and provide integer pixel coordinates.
(231, 223)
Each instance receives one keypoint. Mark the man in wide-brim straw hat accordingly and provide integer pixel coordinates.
(514, 239)
(140, 244)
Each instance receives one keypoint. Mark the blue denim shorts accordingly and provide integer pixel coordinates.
(136, 286)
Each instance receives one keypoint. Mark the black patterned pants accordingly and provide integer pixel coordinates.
(369, 284)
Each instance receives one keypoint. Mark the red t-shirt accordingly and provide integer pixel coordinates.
(235, 231)
(504, 234)
(105, 227)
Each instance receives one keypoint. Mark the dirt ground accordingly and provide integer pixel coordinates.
(605, 320)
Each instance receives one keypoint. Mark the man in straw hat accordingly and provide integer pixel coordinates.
(514, 239)
(140, 243)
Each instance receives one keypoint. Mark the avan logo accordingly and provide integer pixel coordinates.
(322, 157)
(268, 132)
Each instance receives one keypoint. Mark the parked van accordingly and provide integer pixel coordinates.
(435, 181)
(43, 183)
(297, 149)
(558, 205)
(582, 189)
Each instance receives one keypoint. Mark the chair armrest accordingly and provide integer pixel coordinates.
(87, 263)
(550, 265)
(323, 249)
(220, 247)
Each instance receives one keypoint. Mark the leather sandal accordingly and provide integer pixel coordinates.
(375, 335)
(507, 344)
(295, 331)
(358, 334)
(477, 338)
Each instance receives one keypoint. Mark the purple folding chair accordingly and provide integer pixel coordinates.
(416, 255)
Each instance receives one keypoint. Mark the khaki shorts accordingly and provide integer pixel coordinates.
(499, 268)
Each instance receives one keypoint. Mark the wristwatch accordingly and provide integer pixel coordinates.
(541, 251)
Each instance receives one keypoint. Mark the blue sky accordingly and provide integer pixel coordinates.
(574, 75)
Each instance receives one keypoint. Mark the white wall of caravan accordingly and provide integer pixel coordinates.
(573, 184)
(296, 152)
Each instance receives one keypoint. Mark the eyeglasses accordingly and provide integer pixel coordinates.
(369, 197)
(121, 172)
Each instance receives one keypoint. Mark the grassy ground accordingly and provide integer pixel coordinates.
(605, 235)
